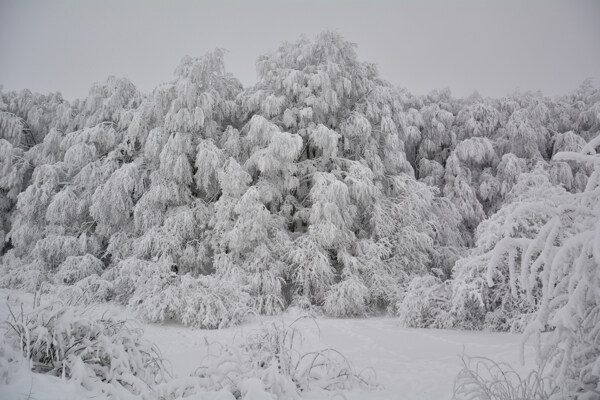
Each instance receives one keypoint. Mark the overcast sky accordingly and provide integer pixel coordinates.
(496, 47)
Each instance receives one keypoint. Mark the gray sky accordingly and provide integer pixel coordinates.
(495, 47)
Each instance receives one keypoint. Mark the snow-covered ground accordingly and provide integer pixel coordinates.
(409, 363)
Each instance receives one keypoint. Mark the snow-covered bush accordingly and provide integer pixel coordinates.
(17, 274)
(157, 293)
(211, 303)
(53, 250)
(159, 297)
(102, 353)
(126, 276)
(89, 290)
(347, 298)
(311, 271)
(425, 304)
(76, 268)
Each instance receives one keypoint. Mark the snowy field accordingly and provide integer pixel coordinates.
(409, 363)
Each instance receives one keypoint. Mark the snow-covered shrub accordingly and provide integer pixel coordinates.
(476, 150)
(484, 379)
(561, 174)
(158, 296)
(157, 293)
(211, 302)
(425, 304)
(77, 156)
(64, 208)
(347, 298)
(112, 203)
(75, 268)
(208, 160)
(431, 172)
(311, 272)
(469, 292)
(525, 135)
(477, 305)
(100, 353)
(53, 250)
(568, 141)
(126, 276)
(253, 247)
(276, 359)
(459, 191)
(17, 274)
(91, 289)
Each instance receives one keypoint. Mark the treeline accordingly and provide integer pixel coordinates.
(322, 187)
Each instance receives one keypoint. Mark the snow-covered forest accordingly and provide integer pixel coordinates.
(323, 190)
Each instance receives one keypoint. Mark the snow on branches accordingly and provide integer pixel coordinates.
(320, 186)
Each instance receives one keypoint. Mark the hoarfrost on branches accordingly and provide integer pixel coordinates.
(323, 187)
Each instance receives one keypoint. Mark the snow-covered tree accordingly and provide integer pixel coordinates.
(536, 268)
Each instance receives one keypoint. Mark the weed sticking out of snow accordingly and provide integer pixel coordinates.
(278, 359)
(101, 353)
(483, 378)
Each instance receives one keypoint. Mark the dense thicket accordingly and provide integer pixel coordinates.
(321, 186)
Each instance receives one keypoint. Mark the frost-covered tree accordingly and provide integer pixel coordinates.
(478, 120)
(27, 117)
(113, 202)
(110, 102)
(346, 151)
(562, 261)
(481, 299)
(535, 268)
(170, 183)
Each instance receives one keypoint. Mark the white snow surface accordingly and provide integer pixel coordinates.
(409, 363)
